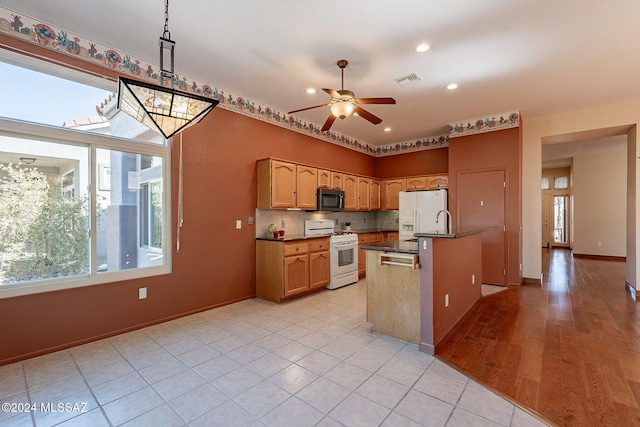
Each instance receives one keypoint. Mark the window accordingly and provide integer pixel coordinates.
(561, 183)
(545, 184)
(560, 219)
(151, 215)
(55, 232)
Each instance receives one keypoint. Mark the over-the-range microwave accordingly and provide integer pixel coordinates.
(330, 200)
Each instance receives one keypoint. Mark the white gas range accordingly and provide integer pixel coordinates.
(343, 252)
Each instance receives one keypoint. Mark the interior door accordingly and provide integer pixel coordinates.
(481, 202)
(546, 218)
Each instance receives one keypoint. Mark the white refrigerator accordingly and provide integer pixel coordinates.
(418, 210)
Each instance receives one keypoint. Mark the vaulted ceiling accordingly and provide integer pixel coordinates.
(537, 57)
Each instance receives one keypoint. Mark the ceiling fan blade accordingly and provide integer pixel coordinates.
(328, 123)
(375, 101)
(334, 93)
(308, 108)
(367, 115)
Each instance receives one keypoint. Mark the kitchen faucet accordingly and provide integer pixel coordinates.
(449, 229)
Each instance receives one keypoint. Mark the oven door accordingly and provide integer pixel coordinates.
(344, 258)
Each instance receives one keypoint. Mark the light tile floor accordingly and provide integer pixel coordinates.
(310, 362)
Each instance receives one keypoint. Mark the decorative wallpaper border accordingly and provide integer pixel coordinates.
(46, 35)
(485, 124)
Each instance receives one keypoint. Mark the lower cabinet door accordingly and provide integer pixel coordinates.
(296, 273)
(319, 270)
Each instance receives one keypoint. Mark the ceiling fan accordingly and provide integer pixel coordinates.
(344, 103)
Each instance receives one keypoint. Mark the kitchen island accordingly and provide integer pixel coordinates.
(420, 299)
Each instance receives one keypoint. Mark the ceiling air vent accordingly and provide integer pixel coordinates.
(408, 79)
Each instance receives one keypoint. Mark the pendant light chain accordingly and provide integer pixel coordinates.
(167, 33)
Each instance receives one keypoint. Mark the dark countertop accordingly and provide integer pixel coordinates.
(400, 246)
(456, 232)
(374, 230)
(289, 237)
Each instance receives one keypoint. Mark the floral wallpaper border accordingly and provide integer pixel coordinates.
(46, 35)
(485, 124)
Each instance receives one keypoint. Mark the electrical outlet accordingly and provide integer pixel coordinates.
(337, 221)
(250, 220)
(599, 244)
(365, 219)
(238, 224)
(446, 300)
(142, 293)
(282, 224)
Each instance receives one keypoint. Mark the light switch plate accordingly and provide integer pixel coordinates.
(238, 224)
(142, 293)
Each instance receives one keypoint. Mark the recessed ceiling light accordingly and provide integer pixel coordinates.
(311, 91)
(387, 129)
(452, 86)
(422, 48)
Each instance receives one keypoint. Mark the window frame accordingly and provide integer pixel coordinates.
(148, 204)
(93, 141)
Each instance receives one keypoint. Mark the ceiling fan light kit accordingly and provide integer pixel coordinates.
(344, 103)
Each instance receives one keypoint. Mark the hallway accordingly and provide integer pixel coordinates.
(569, 349)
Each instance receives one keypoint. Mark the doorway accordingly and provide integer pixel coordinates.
(546, 220)
(481, 198)
(561, 220)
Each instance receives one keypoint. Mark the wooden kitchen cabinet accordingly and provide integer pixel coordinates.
(286, 270)
(283, 185)
(296, 274)
(436, 182)
(306, 186)
(363, 240)
(319, 264)
(336, 180)
(388, 236)
(416, 183)
(350, 188)
(363, 193)
(324, 178)
(391, 189)
(276, 184)
(374, 195)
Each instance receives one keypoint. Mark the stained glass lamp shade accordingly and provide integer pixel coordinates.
(166, 110)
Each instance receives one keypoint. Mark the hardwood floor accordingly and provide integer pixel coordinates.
(568, 349)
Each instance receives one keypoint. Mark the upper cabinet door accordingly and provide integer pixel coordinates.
(417, 183)
(324, 178)
(391, 189)
(437, 181)
(350, 187)
(307, 180)
(374, 195)
(336, 180)
(363, 194)
(283, 184)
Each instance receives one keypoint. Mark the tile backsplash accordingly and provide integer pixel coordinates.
(293, 221)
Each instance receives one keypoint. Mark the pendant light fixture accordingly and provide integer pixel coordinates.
(161, 107)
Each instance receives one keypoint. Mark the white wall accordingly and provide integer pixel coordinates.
(615, 119)
(600, 203)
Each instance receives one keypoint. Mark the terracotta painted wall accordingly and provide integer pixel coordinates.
(216, 262)
(447, 269)
(411, 164)
(501, 149)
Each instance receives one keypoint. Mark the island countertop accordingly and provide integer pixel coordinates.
(456, 232)
(400, 246)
